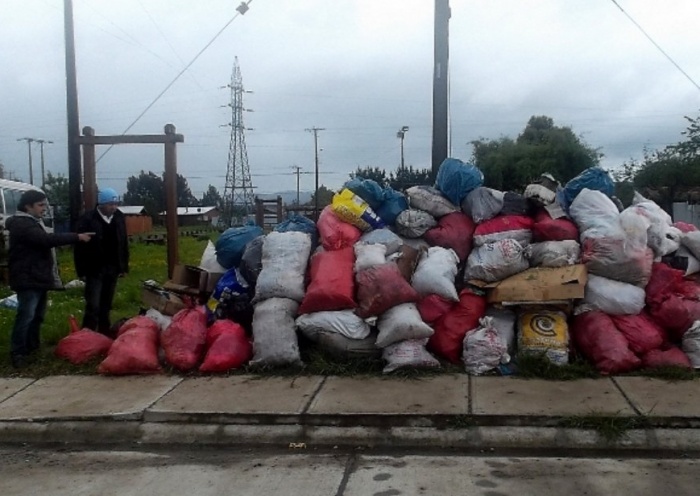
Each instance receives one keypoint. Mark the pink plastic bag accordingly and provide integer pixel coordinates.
(335, 233)
(82, 346)
(332, 282)
(671, 357)
(596, 337)
(642, 333)
(228, 347)
(133, 352)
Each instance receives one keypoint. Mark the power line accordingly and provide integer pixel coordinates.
(240, 10)
(656, 45)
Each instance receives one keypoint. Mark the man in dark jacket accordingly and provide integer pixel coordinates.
(103, 260)
(33, 271)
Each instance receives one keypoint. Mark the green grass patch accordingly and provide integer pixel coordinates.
(609, 428)
(537, 366)
(670, 373)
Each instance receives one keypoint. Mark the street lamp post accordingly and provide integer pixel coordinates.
(401, 134)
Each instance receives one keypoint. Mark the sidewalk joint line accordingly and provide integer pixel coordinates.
(313, 395)
(624, 395)
(350, 467)
(470, 391)
(182, 379)
(19, 390)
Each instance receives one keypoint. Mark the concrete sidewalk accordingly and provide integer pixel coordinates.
(447, 411)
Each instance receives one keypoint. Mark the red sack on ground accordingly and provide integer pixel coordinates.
(454, 231)
(82, 346)
(642, 333)
(676, 314)
(185, 338)
(138, 322)
(228, 347)
(518, 227)
(671, 357)
(596, 337)
(133, 352)
(433, 306)
(332, 282)
(547, 229)
(662, 283)
(380, 288)
(447, 341)
(335, 233)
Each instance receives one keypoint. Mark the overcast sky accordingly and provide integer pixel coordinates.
(360, 69)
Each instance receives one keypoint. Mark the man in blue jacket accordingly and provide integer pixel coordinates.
(103, 260)
(33, 271)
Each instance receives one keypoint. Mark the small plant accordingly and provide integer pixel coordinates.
(609, 428)
(538, 366)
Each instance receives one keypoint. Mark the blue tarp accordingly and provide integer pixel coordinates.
(456, 179)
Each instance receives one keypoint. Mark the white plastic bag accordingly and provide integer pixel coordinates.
(285, 256)
(593, 209)
(691, 344)
(275, 340)
(367, 256)
(613, 297)
(554, 253)
(383, 237)
(344, 322)
(483, 349)
(504, 320)
(430, 200)
(410, 353)
(483, 203)
(662, 237)
(400, 323)
(496, 261)
(436, 273)
(163, 321)
(209, 261)
(413, 223)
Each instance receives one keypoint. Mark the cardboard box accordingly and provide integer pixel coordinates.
(538, 285)
(192, 280)
(165, 302)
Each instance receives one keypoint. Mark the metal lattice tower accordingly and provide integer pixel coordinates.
(238, 196)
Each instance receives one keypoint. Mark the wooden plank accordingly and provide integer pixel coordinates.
(130, 139)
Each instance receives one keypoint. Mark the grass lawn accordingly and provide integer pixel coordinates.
(147, 261)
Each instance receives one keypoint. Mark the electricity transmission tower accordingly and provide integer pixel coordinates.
(238, 197)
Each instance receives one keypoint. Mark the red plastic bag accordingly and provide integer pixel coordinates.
(185, 338)
(133, 352)
(504, 223)
(671, 357)
(548, 229)
(642, 333)
(380, 288)
(672, 301)
(81, 346)
(596, 337)
(447, 341)
(685, 227)
(332, 282)
(335, 233)
(139, 321)
(454, 231)
(433, 307)
(663, 283)
(228, 347)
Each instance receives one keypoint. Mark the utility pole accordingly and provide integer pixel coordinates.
(29, 148)
(41, 145)
(74, 165)
(297, 171)
(440, 82)
(315, 130)
(400, 135)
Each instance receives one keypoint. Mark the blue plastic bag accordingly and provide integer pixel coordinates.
(231, 292)
(394, 202)
(593, 178)
(456, 179)
(231, 244)
(367, 189)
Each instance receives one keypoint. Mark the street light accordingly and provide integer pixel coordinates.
(400, 134)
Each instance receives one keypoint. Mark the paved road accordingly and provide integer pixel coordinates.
(49, 472)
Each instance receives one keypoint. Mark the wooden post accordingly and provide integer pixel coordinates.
(89, 174)
(259, 212)
(170, 180)
(279, 209)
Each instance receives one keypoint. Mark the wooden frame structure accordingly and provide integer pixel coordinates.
(169, 139)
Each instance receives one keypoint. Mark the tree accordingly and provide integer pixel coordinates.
(542, 147)
(2, 170)
(325, 197)
(148, 189)
(56, 189)
(405, 177)
(185, 198)
(374, 173)
(211, 198)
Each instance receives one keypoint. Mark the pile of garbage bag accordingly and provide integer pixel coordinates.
(400, 276)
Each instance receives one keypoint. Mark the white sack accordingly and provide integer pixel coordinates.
(285, 256)
(436, 273)
(275, 340)
(163, 321)
(209, 261)
(414, 223)
(554, 253)
(410, 353)
(504, 321)
(344, 322)
(482, 348)
(400, 323)
(691, 344)
(384, 237)
(482, 204)
(367, 256)
(430, 200)
(496, 261)
(593, 209)
(613, 297)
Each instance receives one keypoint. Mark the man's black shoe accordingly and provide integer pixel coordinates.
(19, 361)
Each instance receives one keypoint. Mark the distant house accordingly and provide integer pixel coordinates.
(137, 220)
(196, 216)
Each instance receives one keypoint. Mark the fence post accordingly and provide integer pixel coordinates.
(89, 174)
